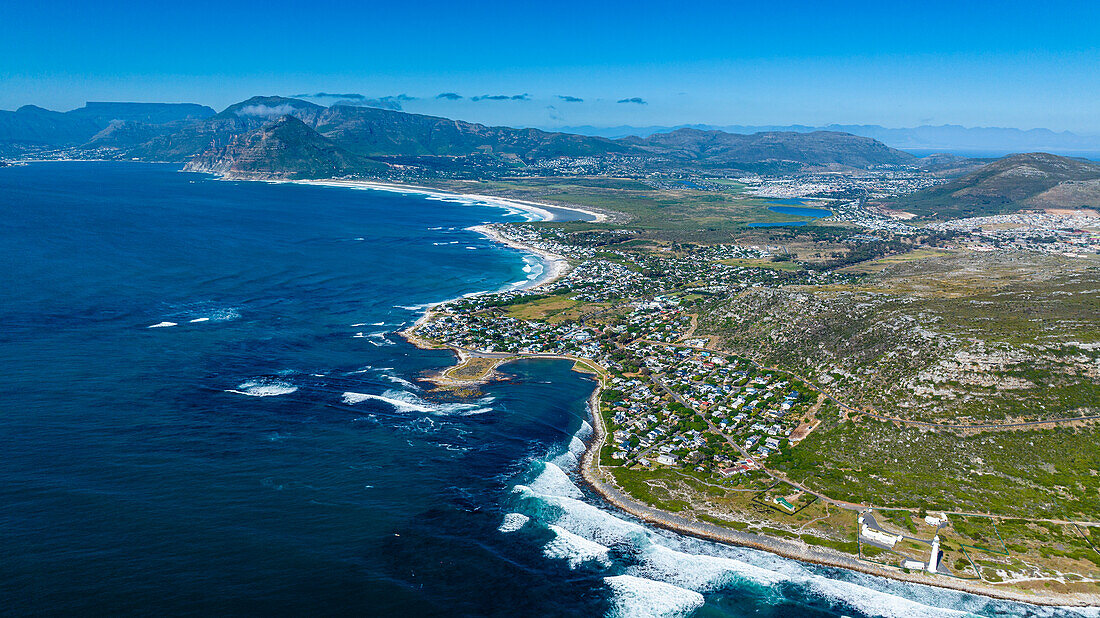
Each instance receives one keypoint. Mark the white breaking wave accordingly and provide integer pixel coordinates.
(553, 481)
(162, 325)
(582, 518)
(666, 574)
(405, 401)
(585, 430)
(698, 572)
(377, 339)
(636, 597)
(351, 398)
(263, 387)
(576, 549)
(874, 602)
(401, 381)
(513, 522)
(570, 458)
(196, 320)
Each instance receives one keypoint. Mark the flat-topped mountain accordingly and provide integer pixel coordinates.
(1009, 184)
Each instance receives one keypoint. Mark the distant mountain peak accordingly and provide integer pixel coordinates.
(270, 107)
(284, 147)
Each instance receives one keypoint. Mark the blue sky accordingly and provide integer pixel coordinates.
(895, 63)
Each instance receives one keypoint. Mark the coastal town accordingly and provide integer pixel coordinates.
(674, 402)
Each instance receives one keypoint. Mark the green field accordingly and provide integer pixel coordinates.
(678, 215)
(768, 264)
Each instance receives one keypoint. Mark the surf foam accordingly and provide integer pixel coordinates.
(263, 387)
(635, 597)
(407, 402)
(553, 481)
(513, 522)
(575, 549)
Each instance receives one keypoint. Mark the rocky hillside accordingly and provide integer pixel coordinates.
(283, 148)
(1010, 184)
(956, 338)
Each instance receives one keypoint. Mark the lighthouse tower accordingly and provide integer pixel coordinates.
(934, 559)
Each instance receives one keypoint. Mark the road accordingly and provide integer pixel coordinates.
(884, 417)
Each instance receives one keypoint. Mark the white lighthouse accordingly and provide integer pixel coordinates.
(934, 559)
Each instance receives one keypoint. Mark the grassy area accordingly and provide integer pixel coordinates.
(680, 214)
(474, 368)
(768, 264)
(541, 308)
(1010, 473)
(876, 266)
(553, 309)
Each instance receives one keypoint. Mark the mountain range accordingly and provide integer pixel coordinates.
(970, 141)
(249, 137)
(32, 125)
(280, 137)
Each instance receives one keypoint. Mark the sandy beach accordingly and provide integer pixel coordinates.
(535, 209)
(555, 265)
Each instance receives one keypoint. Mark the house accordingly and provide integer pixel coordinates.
(666, 459)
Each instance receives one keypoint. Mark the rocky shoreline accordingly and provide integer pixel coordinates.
(598, 482)
(595, 480)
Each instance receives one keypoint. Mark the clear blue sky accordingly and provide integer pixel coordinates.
(889, 62)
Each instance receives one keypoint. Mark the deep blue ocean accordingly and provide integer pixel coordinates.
(205, 409)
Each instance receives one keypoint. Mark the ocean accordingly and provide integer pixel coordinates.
(205, 409)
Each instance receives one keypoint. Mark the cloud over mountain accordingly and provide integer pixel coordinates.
(266, 111)
(502, 97)
(329, 95)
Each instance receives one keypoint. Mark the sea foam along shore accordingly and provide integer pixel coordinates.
(554, 267)
(600, 482)
(536, 209)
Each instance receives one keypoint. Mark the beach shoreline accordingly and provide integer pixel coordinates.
(536, 209)
(555, 267)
